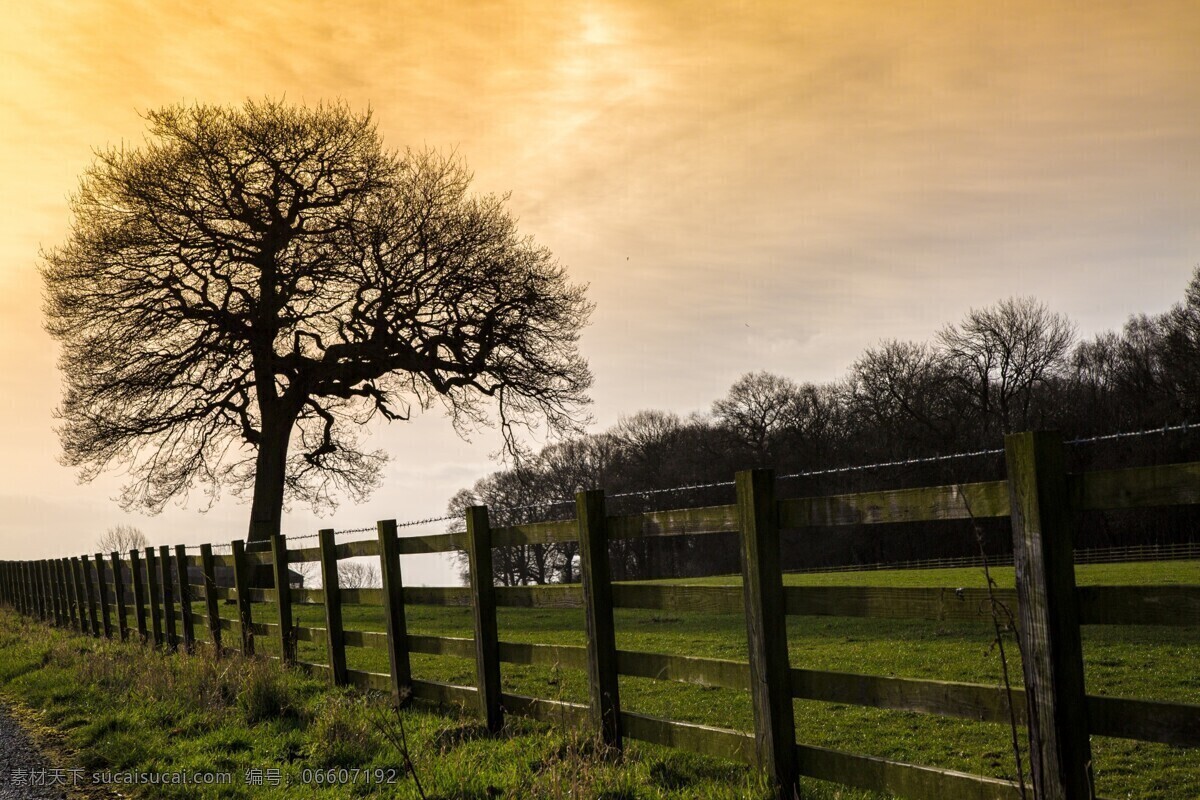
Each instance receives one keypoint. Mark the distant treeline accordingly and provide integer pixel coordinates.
(1012, 366)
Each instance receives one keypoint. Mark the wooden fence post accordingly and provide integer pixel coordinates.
(283, 598)
(80, 594)
(51, 598)
(335, 636)
(1051, 653)
(47, 590)
(30, 589)
(766, 630)
(52, 589)
(30, 593)
(185, 599)
(85, 566)
(393, 609)
(154, 597)
(64, 589)
(23, 587)
(52, 584)
(119, 593)
(598, 610)
(139, 594)
(168, 597)
(102, 595)
(77, 622)
(211, 602)
(241, 585)
(39, 579)
(483, 600)
(36, 582)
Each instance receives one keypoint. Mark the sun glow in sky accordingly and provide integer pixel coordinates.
(743, 185)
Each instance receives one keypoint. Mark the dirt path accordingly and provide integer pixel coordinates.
(23, 765)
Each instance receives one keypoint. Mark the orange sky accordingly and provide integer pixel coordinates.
(751, 186)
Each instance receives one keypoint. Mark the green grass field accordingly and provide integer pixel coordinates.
(1154, 663)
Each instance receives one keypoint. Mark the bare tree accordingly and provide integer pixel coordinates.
(902, 390)
(239, 295)
(121, 539)
(1001, 354)
(758, 408)
(357, 575)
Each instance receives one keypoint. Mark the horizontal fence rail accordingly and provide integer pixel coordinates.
(166, 598)
(1183, 551)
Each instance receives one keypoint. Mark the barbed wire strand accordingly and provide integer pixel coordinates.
(1165, 429)
(647, 493)
(900, 463)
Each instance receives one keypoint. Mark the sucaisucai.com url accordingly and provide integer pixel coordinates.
(164, 778)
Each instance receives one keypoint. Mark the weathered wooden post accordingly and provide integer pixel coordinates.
(766, 630)
(598, 613)
(154, 597)
(283, 598)
(35, 573)
(55, 598)
(47, 583)
(242, 577)
(168, 597)
(483, 601)
(80, 594)
(139, 594)
(393, 608)
(1051, 653)
(335, 636)
(42, 605)
(119, 593)
(211, 602)
(35, 590)
(102, 592)
(64, 582)
(89, 590)
(185, 598)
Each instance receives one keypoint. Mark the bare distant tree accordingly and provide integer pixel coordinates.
(902, 390)
(758, 408)
(121, 539)
(999, 355)
(357, 575)
(240, 294)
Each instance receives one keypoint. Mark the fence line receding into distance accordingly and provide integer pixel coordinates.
(1038, 496)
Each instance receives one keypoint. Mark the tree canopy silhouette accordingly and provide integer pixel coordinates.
(241, 293)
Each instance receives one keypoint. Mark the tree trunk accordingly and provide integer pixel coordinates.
(266, 510)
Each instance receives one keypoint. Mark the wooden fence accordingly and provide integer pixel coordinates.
(88, 593)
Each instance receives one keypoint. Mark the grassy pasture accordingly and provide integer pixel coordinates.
(453, 761)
